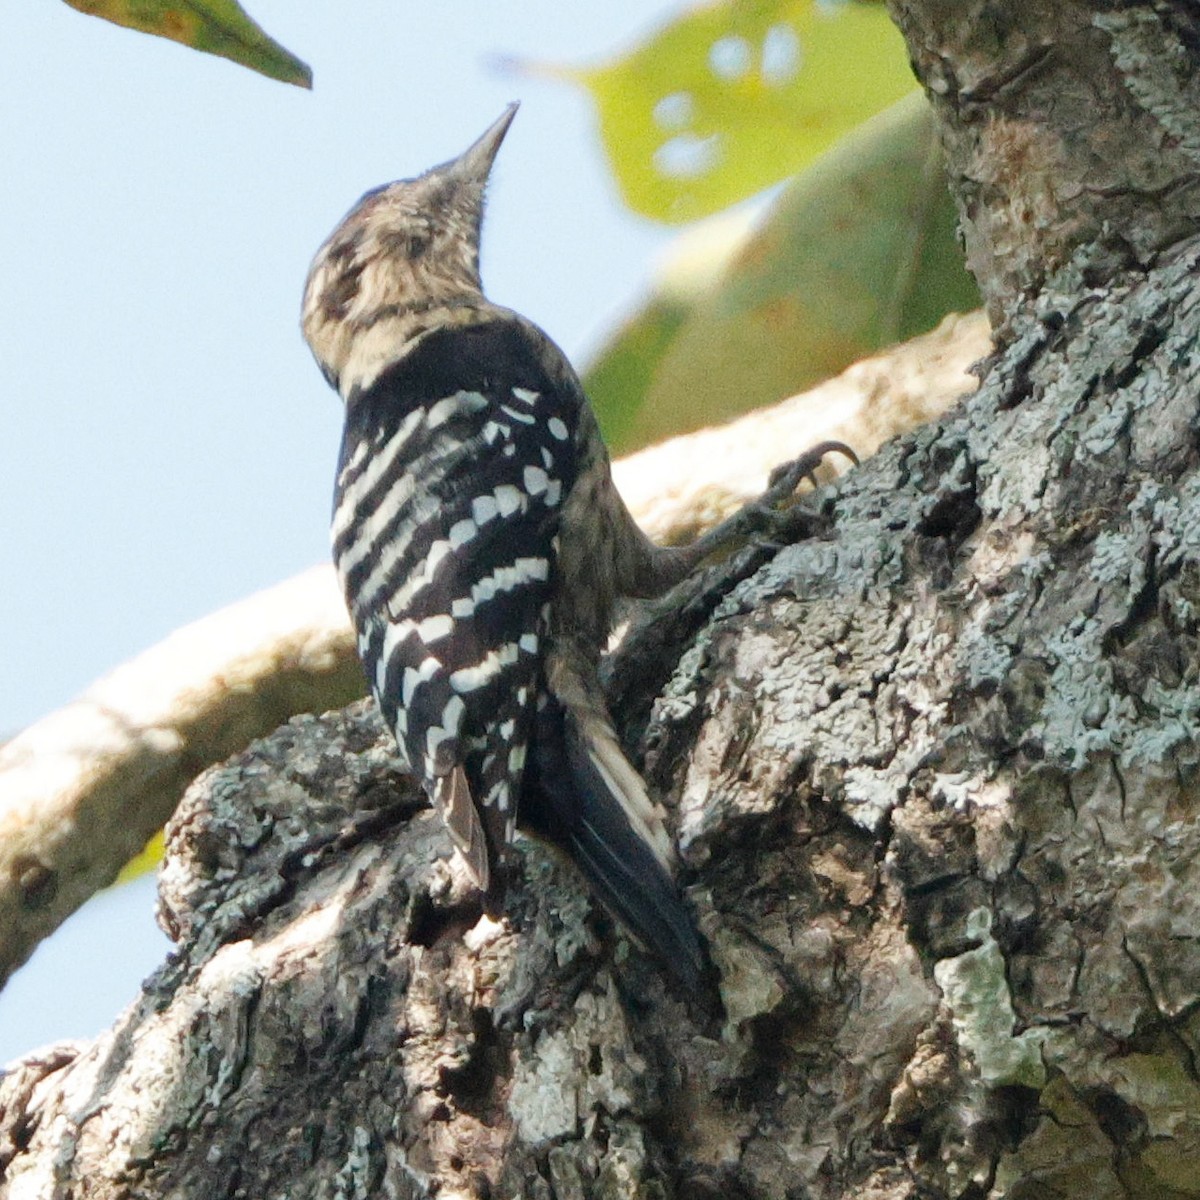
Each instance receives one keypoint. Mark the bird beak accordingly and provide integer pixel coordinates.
(475, 163)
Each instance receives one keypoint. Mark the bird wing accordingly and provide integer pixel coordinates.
(455, 462)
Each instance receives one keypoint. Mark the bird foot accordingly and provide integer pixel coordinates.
(769, 520)
(786, 477)
(778, 523)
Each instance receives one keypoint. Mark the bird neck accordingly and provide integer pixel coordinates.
(394, 332)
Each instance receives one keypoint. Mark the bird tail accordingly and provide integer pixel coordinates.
(583, 795)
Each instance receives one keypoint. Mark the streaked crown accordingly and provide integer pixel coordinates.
(404, 249)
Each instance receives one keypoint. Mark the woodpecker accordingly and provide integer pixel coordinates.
(481, 546)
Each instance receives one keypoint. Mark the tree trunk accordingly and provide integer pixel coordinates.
(934, 775)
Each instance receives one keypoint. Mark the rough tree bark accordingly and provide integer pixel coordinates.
(83, 789)
(934, 775)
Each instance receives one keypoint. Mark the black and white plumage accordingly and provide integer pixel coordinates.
(481, 546)
(444, 534)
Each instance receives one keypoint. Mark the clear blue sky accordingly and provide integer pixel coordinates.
(167, 444)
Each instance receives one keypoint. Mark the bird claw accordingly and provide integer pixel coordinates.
(776, 525)
(786, 477)
(769, 521)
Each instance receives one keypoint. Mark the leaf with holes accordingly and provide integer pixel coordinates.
(215, 26)
(861, 250)
(736, 96)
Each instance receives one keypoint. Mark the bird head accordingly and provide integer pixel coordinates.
(406, 249)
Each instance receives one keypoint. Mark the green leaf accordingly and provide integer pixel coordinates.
(738, 95)
(214, 26)
(859, 251)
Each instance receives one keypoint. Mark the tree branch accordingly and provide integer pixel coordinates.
(83, 789)
(934, 776)
(1069, 131)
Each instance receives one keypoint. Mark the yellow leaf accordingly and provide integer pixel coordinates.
(147, 859)
(738, 95)
(215, 26)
